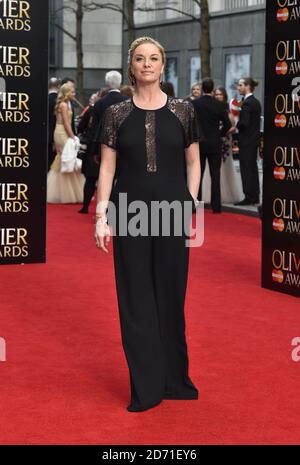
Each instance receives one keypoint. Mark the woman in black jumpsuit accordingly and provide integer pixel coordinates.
(150, 270)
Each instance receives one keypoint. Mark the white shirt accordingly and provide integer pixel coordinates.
(248, 95)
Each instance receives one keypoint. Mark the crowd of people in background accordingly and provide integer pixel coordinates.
(220, 121)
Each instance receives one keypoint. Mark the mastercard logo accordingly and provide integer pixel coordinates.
(281, 67)
(277, 276)
(282, 14)
(278, 224)
(280, 121)
(279, 172)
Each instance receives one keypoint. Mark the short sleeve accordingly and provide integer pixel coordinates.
(193, 132)
(109, 128)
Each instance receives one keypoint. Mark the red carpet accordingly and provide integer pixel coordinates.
(66, 381)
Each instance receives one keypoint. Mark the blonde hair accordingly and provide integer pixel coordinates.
(134, 45)
(63, 95)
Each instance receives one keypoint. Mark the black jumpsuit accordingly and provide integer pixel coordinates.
(151, 271)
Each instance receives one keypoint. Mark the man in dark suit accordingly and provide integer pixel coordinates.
(91, 162)
(249, 135)
(52, 96)
(212, 115)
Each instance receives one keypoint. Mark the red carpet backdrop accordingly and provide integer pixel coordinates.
(23, 138)
(66, 379)
(281, 208)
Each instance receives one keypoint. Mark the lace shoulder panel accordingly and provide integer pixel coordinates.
(114, 116)
(184, 110)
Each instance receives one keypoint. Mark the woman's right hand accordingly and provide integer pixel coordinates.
(102, 234)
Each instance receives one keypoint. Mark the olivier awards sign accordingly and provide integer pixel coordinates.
(281, 209)
(23, 134)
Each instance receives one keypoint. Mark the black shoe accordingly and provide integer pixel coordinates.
(83, 210)
(216, 211)
(187, 392)
(140, 408)
(245, 202)
(190, 396)
(259, 211)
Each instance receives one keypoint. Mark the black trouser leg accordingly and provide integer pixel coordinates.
(203, 164)
(170, 270)
(151, 277)
(88, 191)
(214, 162)
(140, 326)
(249, 172)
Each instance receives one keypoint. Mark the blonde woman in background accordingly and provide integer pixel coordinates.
(64, 187)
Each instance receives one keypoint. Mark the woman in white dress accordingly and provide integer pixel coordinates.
(64, 187)
(231, 186)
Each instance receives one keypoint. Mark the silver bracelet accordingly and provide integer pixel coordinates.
(101, 220)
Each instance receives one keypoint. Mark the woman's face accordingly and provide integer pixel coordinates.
(219, 95)
(72, 94)
(147, 64)
(196, 91)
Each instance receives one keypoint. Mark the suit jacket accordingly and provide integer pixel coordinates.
(51, 116)
(210, 113)
(98, 111)
(85, 121)
(249, 122)
(89, 166)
